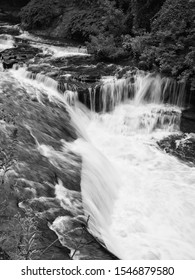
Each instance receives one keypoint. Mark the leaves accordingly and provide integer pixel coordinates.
(39, 14)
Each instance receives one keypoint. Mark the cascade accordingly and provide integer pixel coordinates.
(140, 87)
(6, 42)
(139, 200)
(99, 181)
(99, 184)
(150, 184)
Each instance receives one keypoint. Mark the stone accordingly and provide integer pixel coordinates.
(187, 124)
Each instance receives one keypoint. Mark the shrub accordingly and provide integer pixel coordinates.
(105, 47)
(39, 14)
(84, 23)
(20, 236)
(170, 45)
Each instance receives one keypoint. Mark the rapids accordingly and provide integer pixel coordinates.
(139, 200)
(6, 42)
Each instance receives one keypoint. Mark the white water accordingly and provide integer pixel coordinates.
(55, 51)
(154, 213)
(139, 199)
(6, 42)
(153, 216)
(147, 88)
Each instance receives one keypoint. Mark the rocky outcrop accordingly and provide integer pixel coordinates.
(32, 126)
(28, 203)
(187, 124)
(181, 146)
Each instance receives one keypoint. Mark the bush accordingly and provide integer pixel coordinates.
(174, 29)
(19, 238)
(84, 23)
(95, 18)
(105, 47)
(39, 14)
(169, 47)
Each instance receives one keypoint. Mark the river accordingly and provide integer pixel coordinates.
(138, 199)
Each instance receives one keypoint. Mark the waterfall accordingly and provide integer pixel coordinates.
(100, 185)
(145, 216)
(113, 91)
(150, 216)
(108, 172)
(99, 180)
(139, 200)
(140, 87)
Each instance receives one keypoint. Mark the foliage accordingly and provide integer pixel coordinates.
(106, 44)
(84, 23)
(174, 30)
(156, 34)
(169, 47)
(99, 17)
(142, 12)
(136, 45)
(19, 238)
(105, 48)
(174, 12)
(38, 14)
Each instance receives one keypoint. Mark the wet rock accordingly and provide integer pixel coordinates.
(53, 74)
(28, 175)
(9, 64)
(88, 78)
(34, 99)
(188, 120)
(142, 65)
(181, 146)
(52, 249)
(22, 53)
(33, 175)
(91, 98)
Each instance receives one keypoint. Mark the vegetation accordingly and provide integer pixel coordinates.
(39, 14)
(164, 41)
(155, 34)
(170, 45)
(19, 235)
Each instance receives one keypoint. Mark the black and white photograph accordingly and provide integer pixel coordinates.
(97, 131)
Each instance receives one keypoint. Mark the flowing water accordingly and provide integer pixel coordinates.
(139, 200)
(6, 42)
